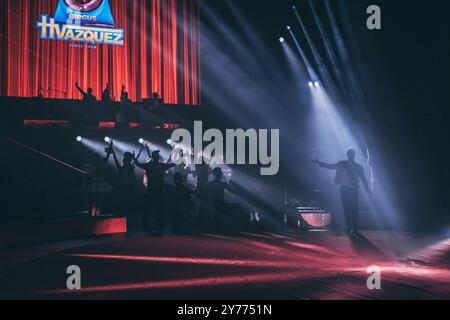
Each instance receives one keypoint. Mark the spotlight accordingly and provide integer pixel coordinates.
(294, 7)
(141, 141)
(281, 39)
(316, 84)
(79, 139)
(310, 84)
(288, 27)
(169, 142)
(107, 139)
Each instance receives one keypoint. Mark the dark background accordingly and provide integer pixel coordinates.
(405, 76)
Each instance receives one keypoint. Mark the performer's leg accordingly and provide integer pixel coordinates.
(355, 210)
(100, 204)
(146, 213)
(346, 206)
(158, 211)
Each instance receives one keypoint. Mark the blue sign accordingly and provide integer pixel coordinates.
(91, 13)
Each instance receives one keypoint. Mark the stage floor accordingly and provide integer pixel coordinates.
(313, 265)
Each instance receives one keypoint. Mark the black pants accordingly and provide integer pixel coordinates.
(350, 205)
(154, 207)
(126, 198)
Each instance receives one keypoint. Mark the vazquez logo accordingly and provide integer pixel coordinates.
(91, 22)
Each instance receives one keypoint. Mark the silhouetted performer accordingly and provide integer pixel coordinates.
(124, 99)
(127, 180)
(98, 186)
(183, 169)
(40, 93)
(216, 188)
(123, 113)
(156, 99)
(88, 97)
(106, 95)
(348, 175)
(202, 172)
(179, 197)
(216, 194)
(155, 171)
(155, 102)
(202, 211)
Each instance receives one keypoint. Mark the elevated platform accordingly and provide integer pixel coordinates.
(21, 112)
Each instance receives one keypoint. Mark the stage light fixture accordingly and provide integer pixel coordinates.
(141, 141)
(310, 84)
(316, 84)
(169, 142)
(79, 139)
(107, 139)
(281, 39)
(288, 27)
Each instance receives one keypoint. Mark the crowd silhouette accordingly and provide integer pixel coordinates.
(176, 207)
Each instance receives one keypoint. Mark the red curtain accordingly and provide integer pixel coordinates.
(161, 53)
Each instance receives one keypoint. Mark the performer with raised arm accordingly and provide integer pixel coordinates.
(127, 179)
(155, 171)
(220, 211)
(88, 97)
(98, 186)
(124, 99)
(348, 175)
(106, 95)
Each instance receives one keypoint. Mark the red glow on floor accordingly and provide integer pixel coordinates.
(204, 282)
(162, 259)
(318, 249)
(247, 266)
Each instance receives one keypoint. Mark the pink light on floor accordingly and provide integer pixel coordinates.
(410, 270)
(202, 282)
(318, 249)
(279, 263)
(161, 259)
